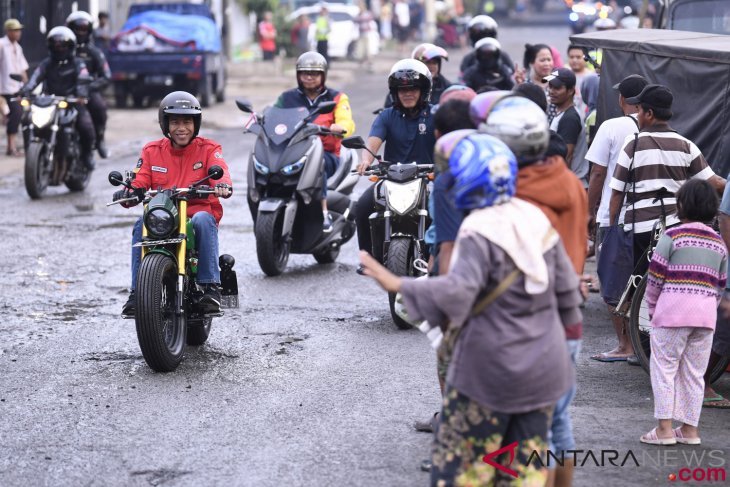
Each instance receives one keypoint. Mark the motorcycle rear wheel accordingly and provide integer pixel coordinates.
(160, 331)
(399, 261)
(271, 249)
(37, 169)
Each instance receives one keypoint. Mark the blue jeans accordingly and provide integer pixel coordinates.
(206, 239)
(331, 163)
(560, 436)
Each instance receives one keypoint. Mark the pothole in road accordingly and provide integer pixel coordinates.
(212, 354)
(159, 477)
(112, 357)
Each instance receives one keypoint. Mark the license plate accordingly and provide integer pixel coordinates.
(159, 80)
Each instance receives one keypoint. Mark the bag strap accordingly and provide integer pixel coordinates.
(496, 292)
(630, 177)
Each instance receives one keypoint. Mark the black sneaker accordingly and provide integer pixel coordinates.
(327, 224)
(210, 301)
(130, 306)
(360, 270)
(102, 149)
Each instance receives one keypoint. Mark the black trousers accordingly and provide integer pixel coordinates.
(85, 126)
(641, 243)
(323, 48)
(16, 111)
(365, 206)
(97, 109)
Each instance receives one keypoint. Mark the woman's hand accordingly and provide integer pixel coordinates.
(520, 75)
(372, 268)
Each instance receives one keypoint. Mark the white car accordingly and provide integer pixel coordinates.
(344, 32)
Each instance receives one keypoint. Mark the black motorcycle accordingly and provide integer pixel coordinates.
(285, 184)
(401, 219)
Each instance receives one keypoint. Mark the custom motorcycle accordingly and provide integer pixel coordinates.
(166, 313)
(285, 184)
(399, 223)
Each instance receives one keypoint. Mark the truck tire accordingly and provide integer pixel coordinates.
(120, 95)
(206, 91)
(138, 100)
(220, 89)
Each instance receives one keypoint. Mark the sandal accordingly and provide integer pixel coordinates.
(685, 441)
(651, 438)
(14, 153)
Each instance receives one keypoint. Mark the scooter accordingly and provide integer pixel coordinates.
(285, 184)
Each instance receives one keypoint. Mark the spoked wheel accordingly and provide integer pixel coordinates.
(640, 332)
(399, 261)
(37, 169)
(160, 331)
(271, 249)
(198, 330)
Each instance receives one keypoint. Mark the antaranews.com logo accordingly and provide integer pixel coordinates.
(685, 465)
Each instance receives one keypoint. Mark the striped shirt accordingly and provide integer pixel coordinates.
(687, 274)
(664, 159)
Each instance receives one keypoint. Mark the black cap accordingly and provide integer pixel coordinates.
(561, 77)
(656, 96)
(631, 85)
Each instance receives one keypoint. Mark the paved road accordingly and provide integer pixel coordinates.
(307, 383)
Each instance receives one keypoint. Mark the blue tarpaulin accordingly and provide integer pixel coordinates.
(181, 29)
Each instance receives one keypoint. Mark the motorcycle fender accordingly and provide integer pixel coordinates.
(290, 211)
(163, 251)
(310, 182)
(270, 205)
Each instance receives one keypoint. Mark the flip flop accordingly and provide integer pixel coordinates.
(651, 438)
(722, 404)
(601, 357)
(715, 398)
(685, 441)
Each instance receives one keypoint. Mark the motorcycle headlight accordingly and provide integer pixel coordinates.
(295, 167)
(42, 116)
(402, 197)
(260, 168)
(161, 217)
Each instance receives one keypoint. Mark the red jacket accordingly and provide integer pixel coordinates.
(162, 165)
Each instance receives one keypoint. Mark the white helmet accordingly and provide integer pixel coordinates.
(522, 125)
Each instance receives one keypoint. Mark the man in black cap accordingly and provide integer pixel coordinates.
(657, 158)
(603, 154)
(567, 123)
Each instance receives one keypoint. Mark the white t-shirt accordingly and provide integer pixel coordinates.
(604, 151)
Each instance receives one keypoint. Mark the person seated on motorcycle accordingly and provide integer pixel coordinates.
(431, 55)
(480, 27)
(406, 128)
(82, 24)
(180, 159)
(311, 69)
(62, 74)
(489, 70)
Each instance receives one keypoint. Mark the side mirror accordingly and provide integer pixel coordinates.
(215, 172)
(325, 107)
(354, 142)
(244, 106)
(115, 178)
(16, 77)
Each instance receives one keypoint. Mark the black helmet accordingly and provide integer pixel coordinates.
(410, 73)
(179, 103)
(480, 27)
(61, 43)
(487, 52)
(312, 61)
(81, 24)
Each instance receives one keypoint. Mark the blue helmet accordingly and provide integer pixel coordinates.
(483, 171)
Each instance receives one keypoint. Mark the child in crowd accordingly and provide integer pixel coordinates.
(687, 275)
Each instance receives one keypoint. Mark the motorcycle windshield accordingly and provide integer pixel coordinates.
(280, 123)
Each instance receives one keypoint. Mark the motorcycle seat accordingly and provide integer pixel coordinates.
(346, 158)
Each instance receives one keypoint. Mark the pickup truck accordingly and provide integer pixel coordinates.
(165, 47)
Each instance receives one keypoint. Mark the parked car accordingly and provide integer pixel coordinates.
(710, 16)
(344, 32)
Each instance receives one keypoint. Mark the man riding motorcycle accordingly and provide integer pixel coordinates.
(406, 128)
(82, 24)
(432, 56)
(489, 69)
(481, 27)
(179, 159)
(311, 69)
(62, 74)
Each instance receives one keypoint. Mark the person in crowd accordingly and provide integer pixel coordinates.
(432, 56)
(533, 93)
(12, 61)
(366, 24)
(103, 32)
(590, 98)
(567, 122)
(603, 154)
(406, 128)
(386, 20)
(480, 27)
(179, 159)
(267, 37)
(300, 34)
(721, 338)
(577, 62)
(537, 63)
(507, 250)
(687, 276)
(63, 74)
(81, 24)
(656, 158)
(322, 32)
(489, 69)
(415, 12)
(311, 71)
(401, 23)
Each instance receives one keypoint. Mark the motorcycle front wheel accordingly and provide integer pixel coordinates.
(37, 169)
(160, 331)
(271, 249)
(399, 261)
